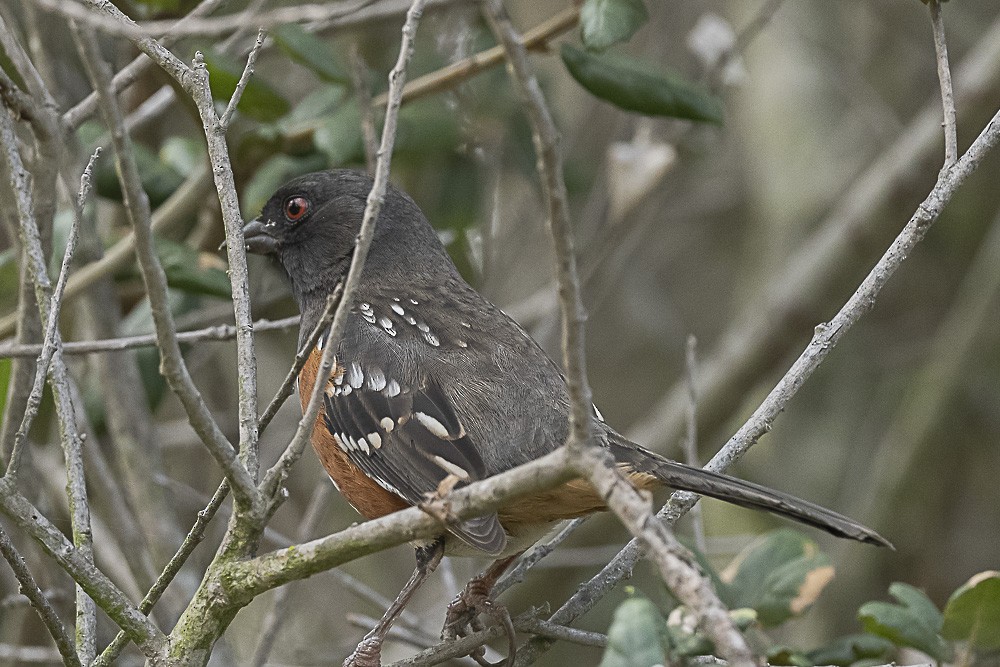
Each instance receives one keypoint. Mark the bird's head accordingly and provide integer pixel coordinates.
(311, 224)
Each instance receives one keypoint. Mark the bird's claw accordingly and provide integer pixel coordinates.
(367, 654)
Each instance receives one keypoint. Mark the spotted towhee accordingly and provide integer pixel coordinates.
(432, 381)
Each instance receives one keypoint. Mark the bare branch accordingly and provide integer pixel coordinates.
(218, 332)
(192, 540)
(452, 75)
(38, 600)
(691, 441)
(944, 77)
(242, 84)
(363, 94)
(274, 478)
(137, 205)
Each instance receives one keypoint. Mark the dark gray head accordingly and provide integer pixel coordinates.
(311, 226)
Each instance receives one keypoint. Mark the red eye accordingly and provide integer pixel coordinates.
(295, 208)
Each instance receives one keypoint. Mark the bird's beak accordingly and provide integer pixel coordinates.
(258, 238)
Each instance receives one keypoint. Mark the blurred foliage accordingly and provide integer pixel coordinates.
(760, 592)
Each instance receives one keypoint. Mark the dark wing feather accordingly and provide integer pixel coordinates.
(409, 440)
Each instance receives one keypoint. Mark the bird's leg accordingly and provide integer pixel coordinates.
(369, 651)
(475, 600)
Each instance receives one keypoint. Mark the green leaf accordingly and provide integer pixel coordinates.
(848, 650)
(310, 51)
(918, 602)
(915, 622)
(340, 136)
(973, 612)
(780, 575)
(158, 179)
(637, 86)
(635, 638)
(607, 22)
(259, 101)
(191, 271)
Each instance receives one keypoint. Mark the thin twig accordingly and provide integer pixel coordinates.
(244, 80)
(944, 77)
(172, 363)
(691, 441)
(69, 435)
(274, 478)
(516, 574)
(363, 94)
(825, 339)
(192, 540)
(285, 390)
(677, 567)
(452, 75)
(218, 332)
(50, 341)
(128, 617)
(41, 604)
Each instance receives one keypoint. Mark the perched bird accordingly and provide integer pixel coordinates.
(432, 382)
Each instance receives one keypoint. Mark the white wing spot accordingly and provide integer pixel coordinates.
(398, 309)
(423, 327)
(431, 338)
(387, 424)
(320, 343)
(341, 441)
(392, 389)
(432, 424)
(346, 390)
(363, 445)
(598, 413)
(376, 379)
(411, 319)
(366, 306)
(375, 439)
(466, 325)
(451, 468)
(396, 299)
(461, 343)
(414, 302)
(368, 317)
(354, 376)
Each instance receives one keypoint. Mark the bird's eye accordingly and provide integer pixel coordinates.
(296, 208)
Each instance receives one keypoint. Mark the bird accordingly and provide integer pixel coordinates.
(434, 386)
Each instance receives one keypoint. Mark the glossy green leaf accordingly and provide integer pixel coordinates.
(188, 270)
(852, 648)
(310, 51)
(339, 138)
(259, 101)
(779, 575)
(635, 638)
(636, 86)
(973, 612)
(607, 22)
(909, 623)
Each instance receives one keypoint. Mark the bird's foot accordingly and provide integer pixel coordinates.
(367, 654)
(463, 617)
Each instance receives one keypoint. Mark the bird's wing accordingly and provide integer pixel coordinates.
(404, 433)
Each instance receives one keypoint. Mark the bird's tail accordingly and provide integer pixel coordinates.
(745, 494)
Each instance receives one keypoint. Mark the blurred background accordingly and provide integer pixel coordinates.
(745, 235)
